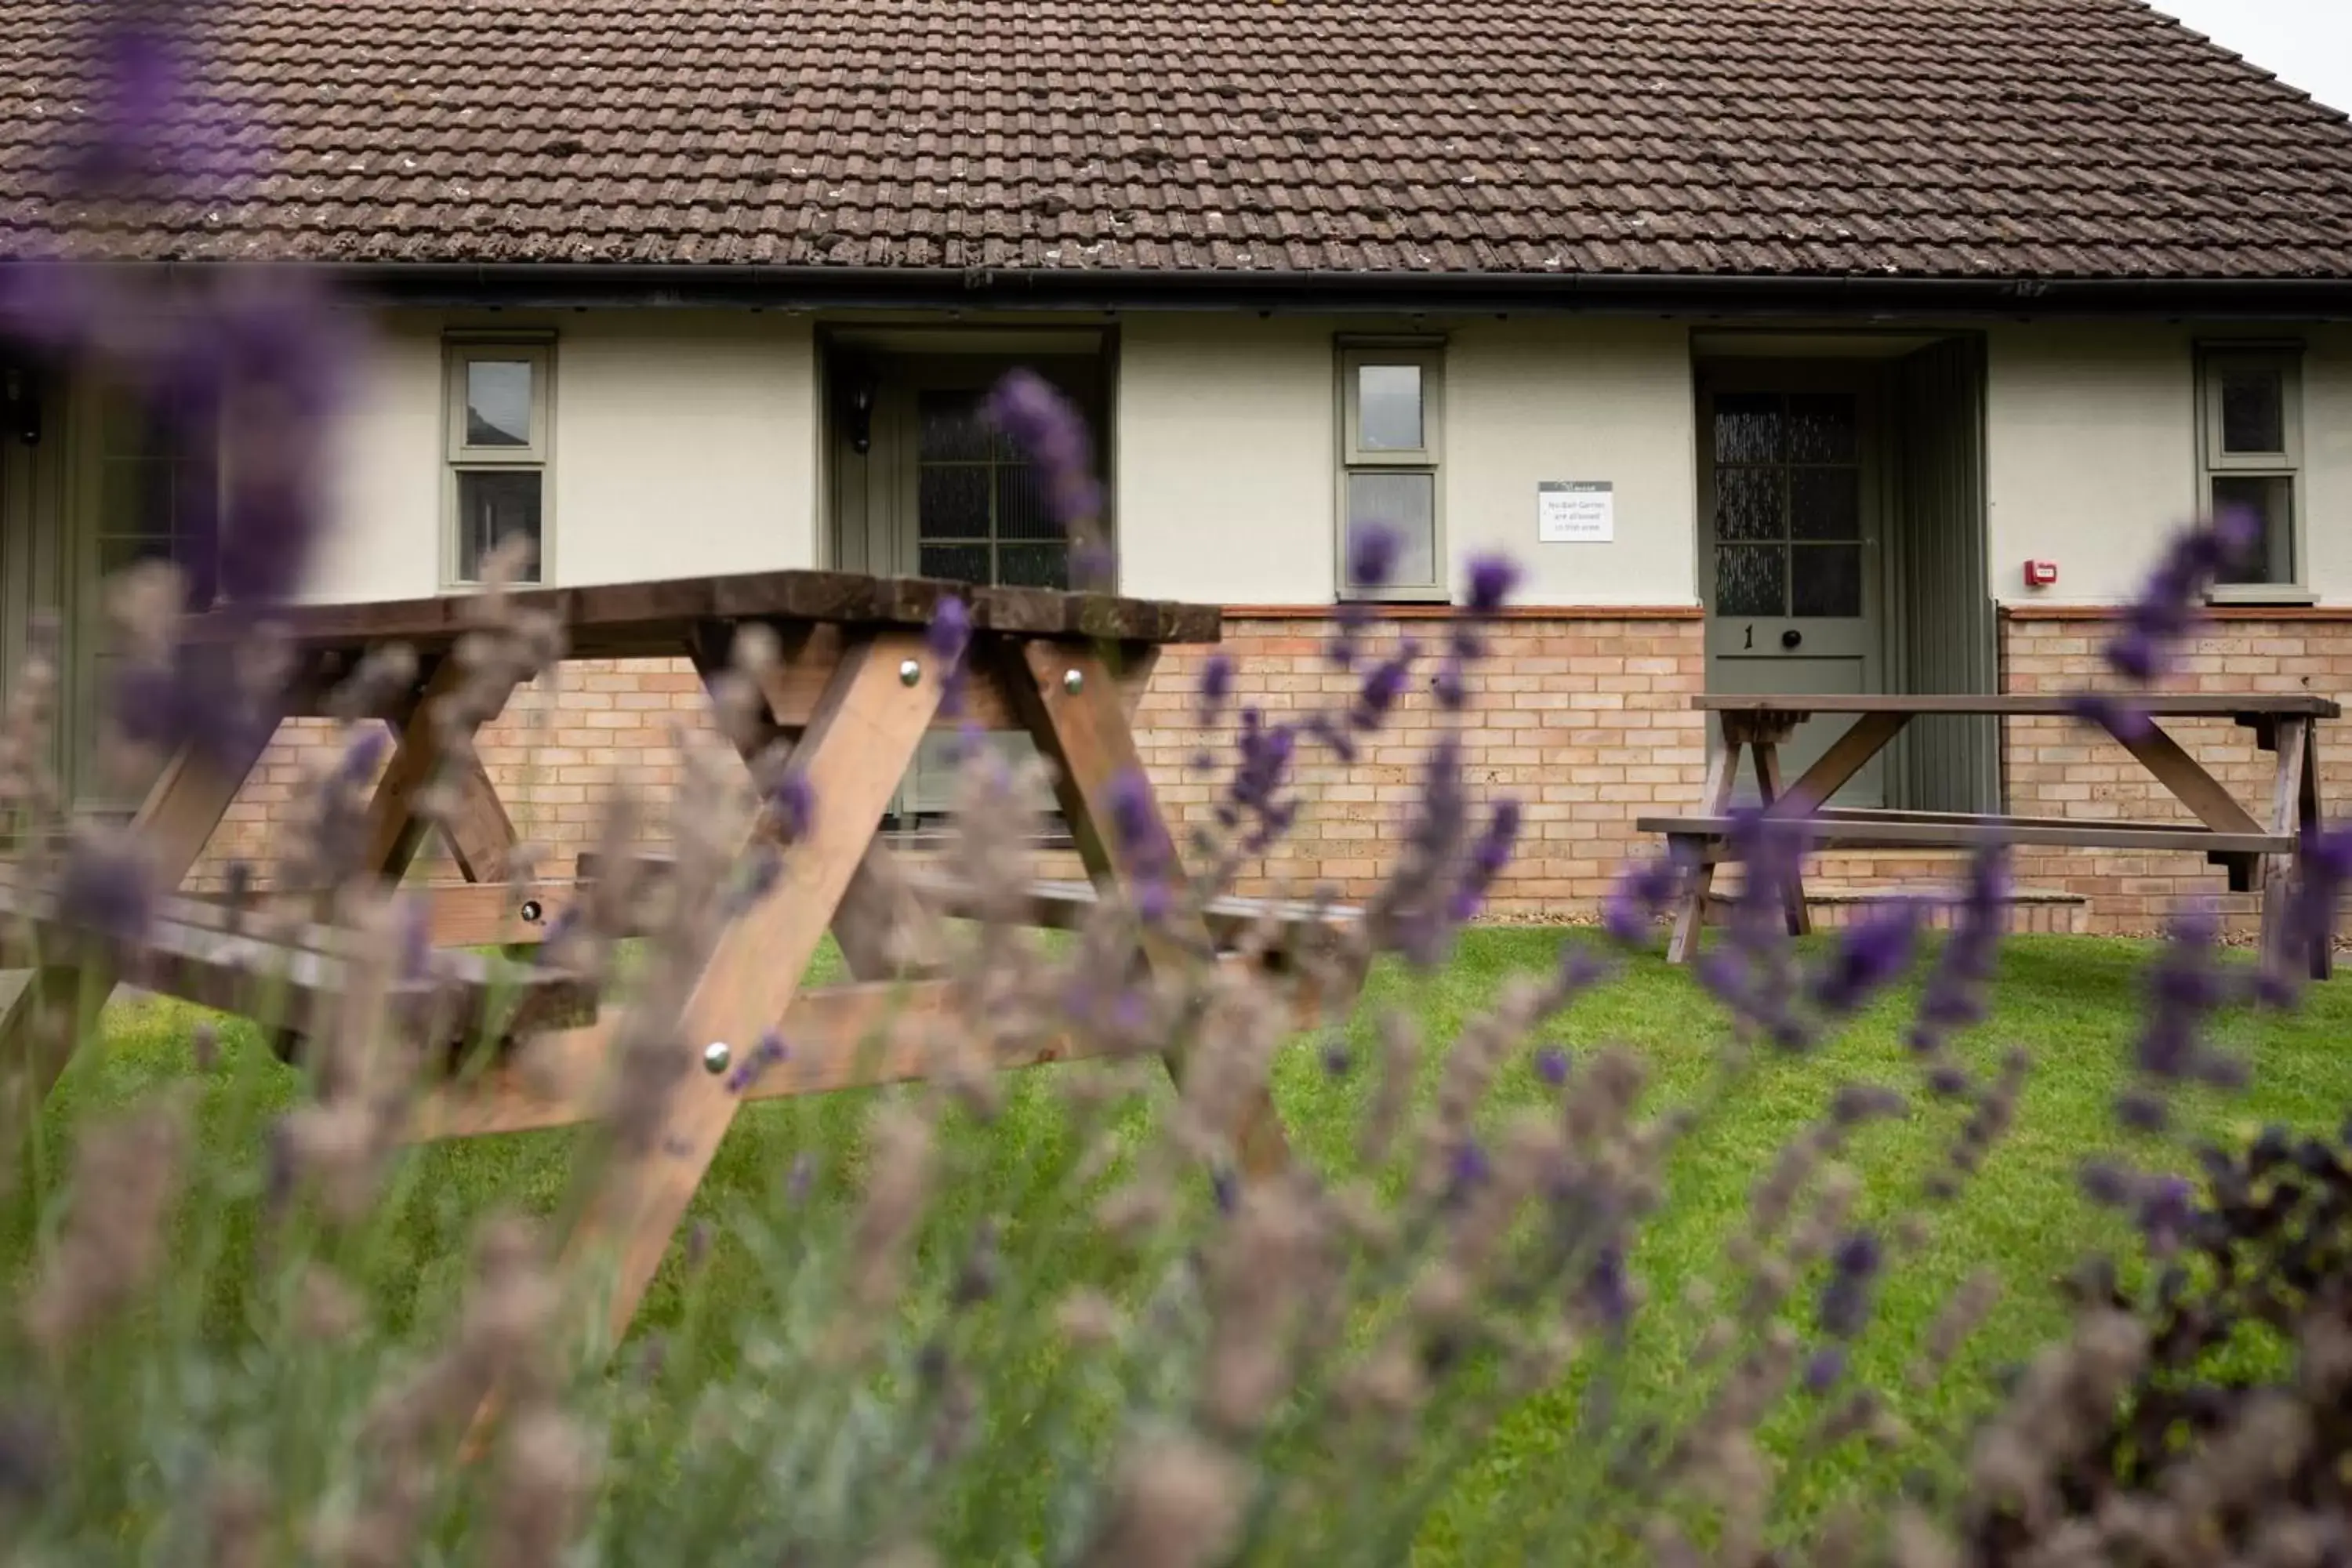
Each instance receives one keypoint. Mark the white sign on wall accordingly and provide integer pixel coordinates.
(1576, 511)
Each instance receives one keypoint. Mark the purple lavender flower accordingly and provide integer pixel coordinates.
(142, 72)
(105, 891)
(2167, 1209)
(1491, 579)
(950, 631)
(1606, 1287)
(770, 1052)
(1216, 687)
(1641, 896)
(1337, 1061)
(1954, 995)
(1844, 1305)
(1372, 549)
(1551, 1066)
(1046, 427)
(2171, 601)
(1384, 686)
(1488, 855)
(1466, 1169)
(1256, 786)
(1225, 1190)
(793, 803)
(362, 758)
(1872, 954)
(1825, 1369)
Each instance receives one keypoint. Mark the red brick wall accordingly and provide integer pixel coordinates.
(2056, 767)
(1584, 717)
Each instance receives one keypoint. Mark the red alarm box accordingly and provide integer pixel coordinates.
(2041, 574)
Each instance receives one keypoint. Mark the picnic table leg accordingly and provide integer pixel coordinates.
(42, 1024)
(481, 836)
(1792, 891)
(1072, 703)
(2307, 819)
(884, 931)
(855, 748)
(1722, 777)
(2291, 738)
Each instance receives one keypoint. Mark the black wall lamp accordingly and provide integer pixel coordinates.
(858, 407)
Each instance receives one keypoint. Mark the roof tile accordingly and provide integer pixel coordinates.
(1821, 137)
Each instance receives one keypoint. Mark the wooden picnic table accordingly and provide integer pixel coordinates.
(2256, 852)
(854, 691)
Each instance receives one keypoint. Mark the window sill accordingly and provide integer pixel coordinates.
(1402, 596)
(2284, 594)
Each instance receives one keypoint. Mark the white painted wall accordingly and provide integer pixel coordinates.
(1529, 401)
(1227, 483)
(1228, 458)
(2091, 454)
(683, 445)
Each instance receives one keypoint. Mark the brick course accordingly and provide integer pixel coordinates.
(2056, 767)
(1585, 719)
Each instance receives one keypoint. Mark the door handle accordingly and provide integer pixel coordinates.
(1792, 638)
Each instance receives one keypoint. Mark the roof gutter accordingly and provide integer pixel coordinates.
(625, 285)
(590, 285)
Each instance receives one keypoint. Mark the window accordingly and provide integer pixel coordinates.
(1390, 424)
(2250, 403)
(498, 427)
(1789, 500)
(980, 509)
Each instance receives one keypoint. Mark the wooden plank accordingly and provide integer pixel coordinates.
(1722, 778)
(600, 617)
(58, 1005)
(841, 1036)
(481, 836)
(853, 754)
(235, 973)
(1070, 702)
(2308, 817)
(1861, 833)
(1064, 906)
(1793, 912)
(1845, 757)
(2289, 738)
(2185, 778)
(2157, 705)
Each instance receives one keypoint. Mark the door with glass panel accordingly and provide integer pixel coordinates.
(973, 509)
(146, 488)
(1789, 513)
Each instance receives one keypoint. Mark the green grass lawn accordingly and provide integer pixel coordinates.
(2072, 1002)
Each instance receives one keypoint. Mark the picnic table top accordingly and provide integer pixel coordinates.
(617, 618)
(2156, 705)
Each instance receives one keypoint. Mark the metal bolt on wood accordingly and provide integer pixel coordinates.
(714, 1057)
(909, 672)
(1074, 681)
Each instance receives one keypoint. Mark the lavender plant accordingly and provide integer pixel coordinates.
(1046, 1321)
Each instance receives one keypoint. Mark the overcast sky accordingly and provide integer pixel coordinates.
(2304, 43)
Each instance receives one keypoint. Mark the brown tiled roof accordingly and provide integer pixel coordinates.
(1888, 138)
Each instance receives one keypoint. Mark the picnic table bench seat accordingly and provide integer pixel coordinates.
(1287, 925)
(200, 952)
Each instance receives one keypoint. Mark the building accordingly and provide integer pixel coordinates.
(1849, 308)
